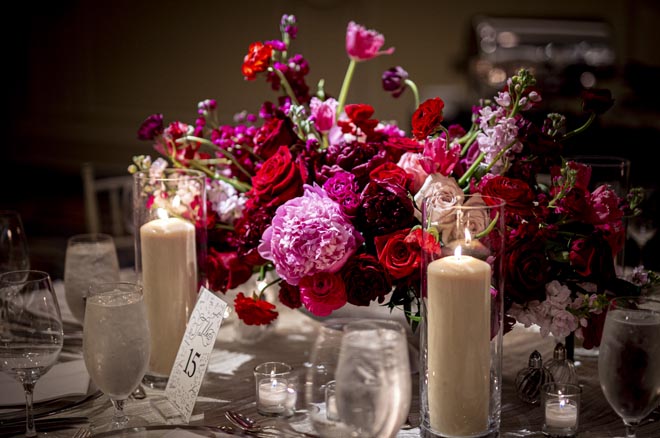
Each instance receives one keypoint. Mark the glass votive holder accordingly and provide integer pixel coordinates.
(331, 402)
(561, 405)
(276, 389)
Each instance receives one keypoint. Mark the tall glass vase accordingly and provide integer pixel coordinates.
(170, 255)
(462, 314)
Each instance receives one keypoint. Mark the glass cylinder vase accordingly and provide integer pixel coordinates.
(170, 254)
(462, 315)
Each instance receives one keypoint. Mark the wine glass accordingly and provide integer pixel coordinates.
(116, 344)
(90, 258)
(373, 382)
(13, 243)
(629, 359)
(31, 332)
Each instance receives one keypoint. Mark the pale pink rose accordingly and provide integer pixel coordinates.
(411, 163)
(446, 191)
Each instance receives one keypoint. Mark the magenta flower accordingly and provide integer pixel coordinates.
(309, 234)
(363, 44)
(323, 113)
(323, 293)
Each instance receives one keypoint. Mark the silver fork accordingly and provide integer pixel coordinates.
(83, 432)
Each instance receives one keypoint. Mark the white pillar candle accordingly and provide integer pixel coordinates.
(273, 395)
(560, 414)
(458, 342)
(169, 277)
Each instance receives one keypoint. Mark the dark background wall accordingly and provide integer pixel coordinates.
(80, 76)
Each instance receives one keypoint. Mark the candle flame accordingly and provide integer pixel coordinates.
(162, 213)
(458, 252)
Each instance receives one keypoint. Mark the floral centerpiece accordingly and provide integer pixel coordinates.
(328, 197)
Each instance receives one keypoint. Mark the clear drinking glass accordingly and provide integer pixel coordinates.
(14, 255)
(90, 258)
(116, 343)
(31, 333)
(629, 359)
(373, 382)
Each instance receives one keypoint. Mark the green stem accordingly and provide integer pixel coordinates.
(238, 185)
(285, 85)
(345, 86)
(415, 91)
(581, 129)
(221, 150)
(468, 173)
(468, 142)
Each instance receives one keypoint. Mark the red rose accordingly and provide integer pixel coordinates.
(527, 271)
(392, 173)
(225, 270)
(254, 312)
(289, 295)
(278, 179)
(596, 100)
(365, 280)
(517, 194)
(274, 133)
(592, 257)
(257, 60)
(427, 117)
(396, 255)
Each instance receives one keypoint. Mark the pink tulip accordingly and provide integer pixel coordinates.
(363, 44)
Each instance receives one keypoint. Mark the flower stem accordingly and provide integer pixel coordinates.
(345, 86)
(415, 91)
(285, 85)
(219, 149)
(468, 173)
(581, 129)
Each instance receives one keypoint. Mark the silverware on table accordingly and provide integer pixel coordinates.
(248, 424)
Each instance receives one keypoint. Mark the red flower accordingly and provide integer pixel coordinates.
(365, 280)
(426, 119)
(274, 133)
(517, 194)
(392, 173)
(225, 270)
(289, 295)
(527, 271)
(254, 312)
(278, 179)
(257, 60)
(596, 101)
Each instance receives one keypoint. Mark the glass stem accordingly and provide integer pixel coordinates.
(119, 419)
(30, 431)
(631, 429)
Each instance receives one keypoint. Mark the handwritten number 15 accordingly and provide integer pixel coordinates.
(191, 358)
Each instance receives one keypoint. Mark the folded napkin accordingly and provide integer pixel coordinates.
(64, 379)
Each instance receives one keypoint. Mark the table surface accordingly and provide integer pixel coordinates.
(229, 384)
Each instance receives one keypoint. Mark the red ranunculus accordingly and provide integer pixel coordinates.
(427, 117)
(289, 295)
(257, 60)
(365, 280)
(278, 179)
(274, 133)
(254, 312)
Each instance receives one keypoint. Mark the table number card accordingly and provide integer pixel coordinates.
(194, 352)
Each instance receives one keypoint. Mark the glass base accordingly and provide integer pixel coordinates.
(426, 432)
(155, 381)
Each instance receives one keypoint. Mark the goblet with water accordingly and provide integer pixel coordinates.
(90, 258)
(629, 359)
(116, 344)
(373, 382)
(31, 333)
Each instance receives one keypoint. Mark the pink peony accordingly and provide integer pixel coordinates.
(309, 234)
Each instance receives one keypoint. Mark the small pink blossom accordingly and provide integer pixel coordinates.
(411, 163)
(363, 44)
(323, 113)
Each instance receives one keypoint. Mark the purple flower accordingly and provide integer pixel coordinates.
(323, 113)
(151, 128)
(342, 188)
(288, 25)
(379, 197)
(309, 235)
(394, 80)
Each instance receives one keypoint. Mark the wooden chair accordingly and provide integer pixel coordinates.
(109, 208)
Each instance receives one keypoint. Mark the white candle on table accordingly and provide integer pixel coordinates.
(458, 337)
(560, 414)
(169, 276)
(273, 395)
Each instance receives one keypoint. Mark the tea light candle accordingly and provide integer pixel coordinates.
(273, 395)
(458, 315)
(560, 414)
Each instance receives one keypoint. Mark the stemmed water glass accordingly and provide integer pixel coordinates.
(373, 382)
(31, 333)
(14, 254)
(629, 360)
(116, 344)
(90, 258)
